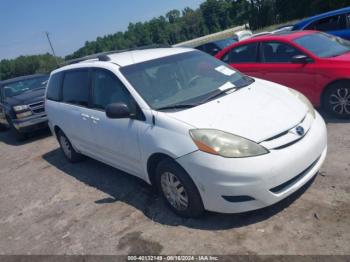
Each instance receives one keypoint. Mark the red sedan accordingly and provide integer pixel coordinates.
(314, 63)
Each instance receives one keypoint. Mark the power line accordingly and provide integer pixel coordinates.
(53, 51)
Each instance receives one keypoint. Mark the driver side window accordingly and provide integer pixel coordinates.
(277, 52)
(108, 89)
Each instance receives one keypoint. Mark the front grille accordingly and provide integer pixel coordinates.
(287, 137)
(289, 183)
(277, 136)
(38, 107)
(38, 104)
(38, 110)
(288, 144)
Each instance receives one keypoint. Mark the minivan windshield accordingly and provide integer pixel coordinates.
(185, 79)
(18, 87)
(324, 45)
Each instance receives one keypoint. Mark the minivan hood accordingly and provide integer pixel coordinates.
(27, 98)
(257, 112)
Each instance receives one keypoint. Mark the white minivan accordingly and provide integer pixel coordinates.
(205, 135)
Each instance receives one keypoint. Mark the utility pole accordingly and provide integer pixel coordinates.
(53, 51)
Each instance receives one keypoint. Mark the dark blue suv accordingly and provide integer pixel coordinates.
(335, 22)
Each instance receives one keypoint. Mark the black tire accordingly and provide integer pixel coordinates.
(337, 100)
(194, 206)
(67, 148)
(3, 127)
(18, 135)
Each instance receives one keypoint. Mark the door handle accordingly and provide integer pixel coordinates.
(95, 118)
(85, 116)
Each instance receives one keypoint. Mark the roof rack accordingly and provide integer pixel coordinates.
(103, 56)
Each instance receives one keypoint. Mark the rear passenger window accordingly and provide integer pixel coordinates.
(242, 54)
(108, 89)
(76, 87)
(53, 89)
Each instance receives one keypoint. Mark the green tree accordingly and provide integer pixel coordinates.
(26, 65)
(173, 16)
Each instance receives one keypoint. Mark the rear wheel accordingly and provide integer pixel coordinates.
(337, 99)
(67, 148)
(178, 189)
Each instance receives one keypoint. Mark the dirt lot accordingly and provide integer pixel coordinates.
(48, 206)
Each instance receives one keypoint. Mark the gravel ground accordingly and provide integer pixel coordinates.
(49, 206)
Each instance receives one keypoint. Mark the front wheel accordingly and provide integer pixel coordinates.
(178, 189)
(337, 100)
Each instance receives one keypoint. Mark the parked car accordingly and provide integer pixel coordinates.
(280, 30)
(314, 63)
(335, 22)
(242, 35)
(212, 48)
(207, 136)
(22, 104)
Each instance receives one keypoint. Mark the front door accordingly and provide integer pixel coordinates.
(116, 140)
(276, 66)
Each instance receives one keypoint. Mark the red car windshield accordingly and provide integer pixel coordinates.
(324, 45)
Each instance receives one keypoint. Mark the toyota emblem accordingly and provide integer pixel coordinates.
(300, 130)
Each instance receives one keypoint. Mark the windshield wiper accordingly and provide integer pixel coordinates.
(218, 93)
(177, 106)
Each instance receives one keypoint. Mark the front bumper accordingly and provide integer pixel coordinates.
(32, 123)
(3, 121)
(257, 182)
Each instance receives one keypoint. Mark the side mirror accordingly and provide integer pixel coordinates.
(301, 59)
(118, 110)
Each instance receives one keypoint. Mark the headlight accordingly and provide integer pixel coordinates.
(20, 108)
(24, 114)
(225, 144)
(306, 101)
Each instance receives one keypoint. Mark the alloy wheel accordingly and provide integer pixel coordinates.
(174, 191)
(65, 146)
(339, 101)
